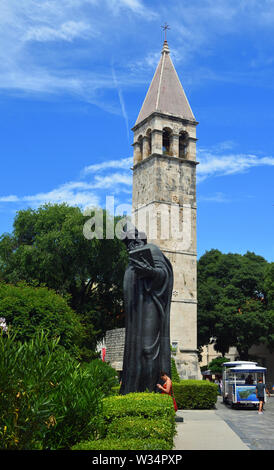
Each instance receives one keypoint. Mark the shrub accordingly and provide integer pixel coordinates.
(115, 390)
(174, 373)
(136, 421)
(195, 394)
(46, 400)
(125, 444)
(104, 377)
(78, 404)
(30, 309)
(138, 404)
(135, 427)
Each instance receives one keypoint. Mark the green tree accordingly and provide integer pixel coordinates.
(234, 295)
(216, 365)
(47, 247)
(269, 285)
(174, 373)
(28, 310)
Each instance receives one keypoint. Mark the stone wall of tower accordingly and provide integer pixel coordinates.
(164, 206)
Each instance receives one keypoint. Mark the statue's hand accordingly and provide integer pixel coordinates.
(142, 268)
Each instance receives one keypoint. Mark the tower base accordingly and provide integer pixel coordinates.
(187, 364)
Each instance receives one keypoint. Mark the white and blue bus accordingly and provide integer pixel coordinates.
(239, 382)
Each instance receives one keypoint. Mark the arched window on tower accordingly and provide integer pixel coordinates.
(140, 150)
(147, 144)
(148, 134)
(183, 144)
(166, 141)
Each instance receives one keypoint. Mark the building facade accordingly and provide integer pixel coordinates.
(164, 198)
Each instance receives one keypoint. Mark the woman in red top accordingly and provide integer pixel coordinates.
(167, 388)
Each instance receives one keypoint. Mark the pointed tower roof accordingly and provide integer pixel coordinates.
(165, 94)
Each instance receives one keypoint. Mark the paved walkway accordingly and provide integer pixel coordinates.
(205, 430)
(226, 429)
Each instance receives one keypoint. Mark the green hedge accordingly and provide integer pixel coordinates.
(137, 404)
(137, 427)
(195, 394)
(190, 394)
(125, 444)
(115, 390)
(136, 421)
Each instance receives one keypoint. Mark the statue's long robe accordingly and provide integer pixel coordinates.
(147, 341)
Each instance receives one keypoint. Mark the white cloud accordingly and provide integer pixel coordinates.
(217, 197)
(121, 100)
(124, 163)
(11, 198)
(67, 31)
(136, 6)
(72, 194)
(214, 164)
(99, 180)
(28, 25)
(83, 193)
(113, 181)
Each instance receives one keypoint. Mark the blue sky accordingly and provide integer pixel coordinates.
(74, 74)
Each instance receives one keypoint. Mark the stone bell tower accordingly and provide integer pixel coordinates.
(164, 198)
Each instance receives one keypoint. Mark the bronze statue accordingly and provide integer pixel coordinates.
(148, 284)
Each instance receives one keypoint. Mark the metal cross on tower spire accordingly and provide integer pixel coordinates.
(165, 27)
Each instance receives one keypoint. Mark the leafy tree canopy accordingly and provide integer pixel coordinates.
(235, 301)
(47, 248)
(216, 365)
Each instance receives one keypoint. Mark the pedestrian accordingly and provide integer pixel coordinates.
(167, 388)
(249, 380)
(221, 385)
(260, 393)
(217, 382)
